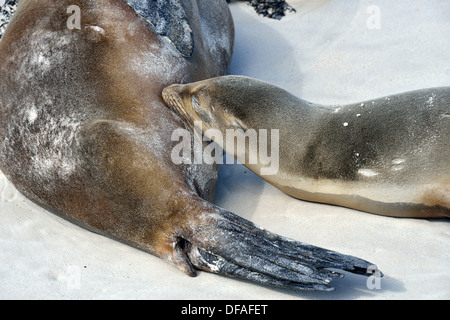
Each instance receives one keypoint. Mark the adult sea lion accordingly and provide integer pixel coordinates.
(389, 156)
(84, 130)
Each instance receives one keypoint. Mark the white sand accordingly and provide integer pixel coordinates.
(324, 53)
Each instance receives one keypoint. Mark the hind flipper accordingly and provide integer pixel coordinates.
(229, 245)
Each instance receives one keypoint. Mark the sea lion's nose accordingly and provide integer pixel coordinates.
(172, 95)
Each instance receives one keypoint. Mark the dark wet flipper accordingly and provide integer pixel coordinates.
(324, 258)
(236, 247)
(215, 264)
(307, 255)
(169, 19)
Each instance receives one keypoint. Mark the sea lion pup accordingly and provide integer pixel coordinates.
(389, 156)
(84, 130)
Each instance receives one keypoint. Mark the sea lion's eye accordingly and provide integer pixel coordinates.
(196, 104)
(237, 124)
(203, 114)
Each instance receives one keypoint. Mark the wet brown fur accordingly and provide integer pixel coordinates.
(121, 187)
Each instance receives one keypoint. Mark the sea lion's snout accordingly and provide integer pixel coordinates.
(172, 96)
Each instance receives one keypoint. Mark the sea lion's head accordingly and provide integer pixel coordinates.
(229, 102)
(236, 113)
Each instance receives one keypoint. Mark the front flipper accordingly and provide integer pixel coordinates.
(7, 10)
(233, 246)
(168, 17)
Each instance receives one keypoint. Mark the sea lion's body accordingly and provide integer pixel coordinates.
(77, 104)
(84, 130)
(388, 156)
